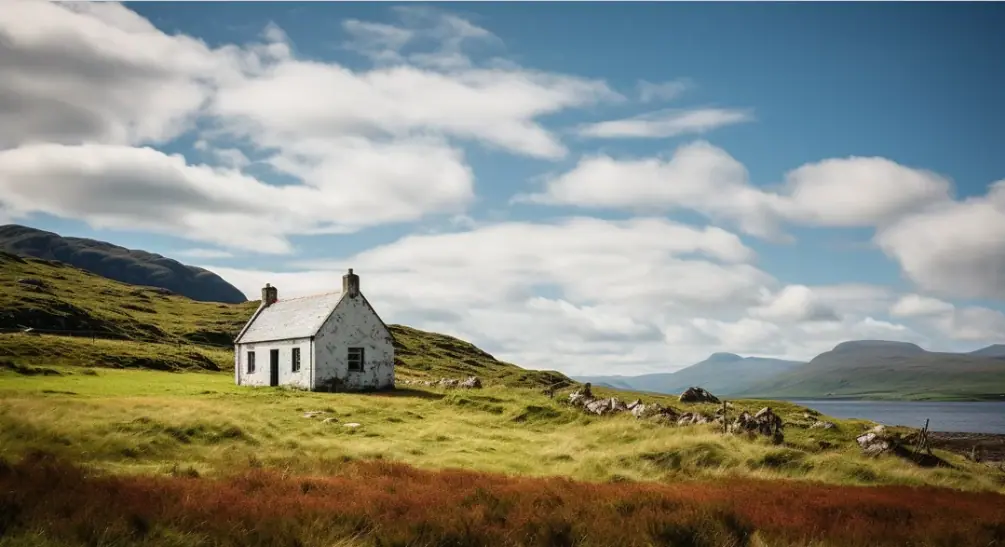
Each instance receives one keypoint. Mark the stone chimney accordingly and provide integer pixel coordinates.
(350, 284)
(270, 295)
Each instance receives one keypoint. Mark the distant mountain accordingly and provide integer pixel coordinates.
(996, 350)
(120, 264)
(891, 370)
(721, 373)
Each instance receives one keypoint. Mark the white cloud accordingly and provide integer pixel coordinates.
(142, 188)
(969, 323)
(859, 191)
(663, 91)
(667, 123)
(697, 176)
(842, 192)
(98, 72)
(955, 249)
(795, 303)
(915, 305)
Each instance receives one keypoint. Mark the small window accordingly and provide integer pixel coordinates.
(296, 359)
(356, 359)
(251, 362)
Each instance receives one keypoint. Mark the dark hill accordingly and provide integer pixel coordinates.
(126, 265)
(995, 350)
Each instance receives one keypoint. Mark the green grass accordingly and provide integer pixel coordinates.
(138, 327)
(158, 422)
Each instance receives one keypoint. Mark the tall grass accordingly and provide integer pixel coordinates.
(148, 422)
(381, 503)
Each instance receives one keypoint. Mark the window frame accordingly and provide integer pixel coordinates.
(295, 360)
(251, 361)
(360, 357)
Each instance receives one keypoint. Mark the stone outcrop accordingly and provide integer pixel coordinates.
(764, 422)
(473, 382)
(697, 395)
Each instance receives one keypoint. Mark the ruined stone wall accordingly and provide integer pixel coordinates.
(262, 360)
(353, 324)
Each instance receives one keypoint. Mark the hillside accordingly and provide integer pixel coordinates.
(143, 327)
(890, 370)
(126, 265)
(721, 373)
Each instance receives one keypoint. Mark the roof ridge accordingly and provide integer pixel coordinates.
(316, 295)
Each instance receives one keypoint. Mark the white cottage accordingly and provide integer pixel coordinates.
(329, 342)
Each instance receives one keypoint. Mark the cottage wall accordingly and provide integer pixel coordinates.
(353, 324)
(262, 362)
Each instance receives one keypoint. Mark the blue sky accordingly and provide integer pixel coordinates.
(833, 178)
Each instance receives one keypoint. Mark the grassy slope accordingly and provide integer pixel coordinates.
(169, 332)
(143, 421)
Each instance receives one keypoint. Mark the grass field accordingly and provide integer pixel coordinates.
(142, 421)
(436, 467)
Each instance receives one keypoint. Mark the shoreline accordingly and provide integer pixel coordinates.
(990, 447)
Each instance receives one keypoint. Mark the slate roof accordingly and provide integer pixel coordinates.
(290, 318)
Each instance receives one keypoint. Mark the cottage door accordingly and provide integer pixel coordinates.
(274, 367)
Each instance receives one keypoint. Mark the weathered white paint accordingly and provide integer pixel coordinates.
(263, 350)
(353, 324)
(324, 327)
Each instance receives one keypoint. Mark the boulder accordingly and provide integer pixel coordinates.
(471, 383)
(631, 406)
(599, 406)
(875, 441)
(697, 395)
(823, 425)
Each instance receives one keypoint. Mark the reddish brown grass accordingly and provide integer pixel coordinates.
(392, 504)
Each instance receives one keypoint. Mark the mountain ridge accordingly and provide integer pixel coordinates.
(132, 266)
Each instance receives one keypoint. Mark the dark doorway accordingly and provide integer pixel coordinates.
(274, 367)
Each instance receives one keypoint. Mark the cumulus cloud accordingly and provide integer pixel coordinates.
(697, 176)
(123, 187)
(795, 303)
(667, 123)
(840, 192)
(955, 249)
(968, 323)
(98, 72)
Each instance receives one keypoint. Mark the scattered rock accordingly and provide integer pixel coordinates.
(313, 413)
(449, 382)
(823, 425)
(697, 395)
(353, 425)
(471, 383)
(875, 441)
(329, 420)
